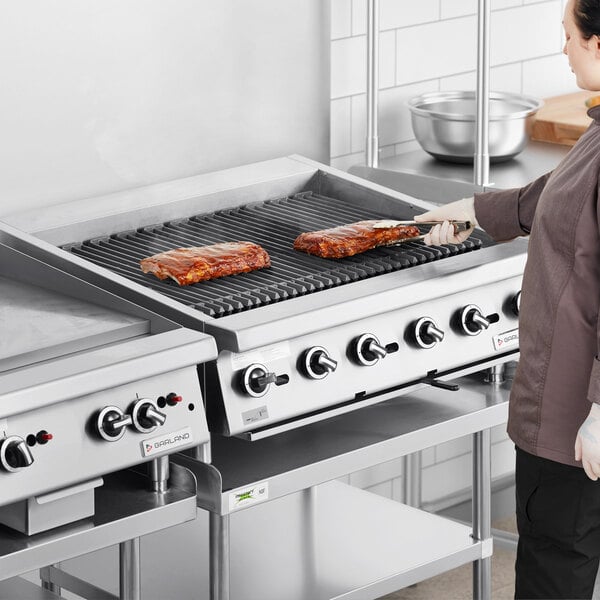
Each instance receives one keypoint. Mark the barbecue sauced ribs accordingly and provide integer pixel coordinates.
(190, 265)
(347, 240)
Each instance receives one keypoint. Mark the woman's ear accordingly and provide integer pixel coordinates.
(595, 40)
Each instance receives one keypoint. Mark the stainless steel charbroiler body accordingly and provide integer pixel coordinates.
(89, 384)
(308, 337)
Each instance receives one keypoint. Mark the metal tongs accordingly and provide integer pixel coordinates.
(390, 223)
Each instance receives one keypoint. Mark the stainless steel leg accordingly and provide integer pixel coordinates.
(219, 556)
(482, 512)
(495, 375)
(411, 480)
(159, 474)
(130, 580)
(49, 585)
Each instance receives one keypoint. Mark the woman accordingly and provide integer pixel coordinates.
(554, 415)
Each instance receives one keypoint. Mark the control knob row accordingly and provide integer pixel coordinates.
(145, 417)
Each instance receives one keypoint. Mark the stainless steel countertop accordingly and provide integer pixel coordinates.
(422, 176)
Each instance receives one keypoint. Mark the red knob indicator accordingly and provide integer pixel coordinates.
(43, 437)
(173, 399)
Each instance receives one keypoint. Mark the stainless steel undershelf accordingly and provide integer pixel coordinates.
(125, 509)
(347, 544)
(17, 588)
(422, 176)
(330, 449)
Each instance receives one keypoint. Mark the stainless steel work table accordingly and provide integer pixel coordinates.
(346, 543)
(125, 510)
(420, 175)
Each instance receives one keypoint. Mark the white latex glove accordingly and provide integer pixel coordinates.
(461, 210)
(587, 443)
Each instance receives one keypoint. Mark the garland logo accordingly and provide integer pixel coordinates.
(167, 441)
(243, 498)
(506, 340)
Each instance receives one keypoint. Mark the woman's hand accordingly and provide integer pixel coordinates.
(587, 443)
(461, 210)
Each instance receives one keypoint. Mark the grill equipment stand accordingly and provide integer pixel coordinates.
(299, 464)
(125, 511)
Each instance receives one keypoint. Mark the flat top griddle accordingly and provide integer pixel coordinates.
(37, 324)
(274, 224)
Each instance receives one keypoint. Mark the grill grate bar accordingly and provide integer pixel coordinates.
(274, 224)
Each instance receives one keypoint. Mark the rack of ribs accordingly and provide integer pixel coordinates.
(347, 240)
(191, 265)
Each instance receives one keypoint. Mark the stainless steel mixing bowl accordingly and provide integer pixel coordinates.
(444, 124)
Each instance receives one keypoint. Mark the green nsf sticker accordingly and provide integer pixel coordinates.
(259, 492)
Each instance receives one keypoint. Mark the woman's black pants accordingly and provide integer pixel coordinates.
(558, 518)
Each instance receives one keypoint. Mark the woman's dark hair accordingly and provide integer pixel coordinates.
(587, 17)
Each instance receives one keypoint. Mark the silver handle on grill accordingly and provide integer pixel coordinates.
(480, 320)
(434, 332)
(145, 415)
(472, 320)
(15, 454)
(256, 380)
(317, 363)
(327, 363)
(426, 333)
(111, 423)
(368, 350)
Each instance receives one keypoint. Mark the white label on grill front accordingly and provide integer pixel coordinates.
(259, 492)
(263, 355)
(506, 340)
(167, 441)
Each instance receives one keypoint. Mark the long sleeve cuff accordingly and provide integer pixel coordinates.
(497, 213)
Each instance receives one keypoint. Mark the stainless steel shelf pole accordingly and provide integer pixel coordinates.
(482, 156)
(219, 556)
(412, 479)
(482, 511)
(159, 474)
(130, 576)
(372, 83)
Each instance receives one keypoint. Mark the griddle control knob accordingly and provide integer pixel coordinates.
(256, 380)
(111, 423)
(472, 320)
(145, 415)
(317, 363)
(15, 454)
(427, 333)
(368, 350)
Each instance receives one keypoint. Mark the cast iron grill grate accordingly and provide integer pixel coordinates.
(274, 224)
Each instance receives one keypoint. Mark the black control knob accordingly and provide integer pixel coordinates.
(15, 454)
(426, 333)
(515, 303)
(145, 415)
(368, 350)
(111, 423)
(317, 363)
(256, 380)
(472, 321)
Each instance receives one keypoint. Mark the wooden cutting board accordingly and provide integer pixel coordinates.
(562, 119)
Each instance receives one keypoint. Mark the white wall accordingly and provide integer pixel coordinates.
(101, 96)
(431, 45)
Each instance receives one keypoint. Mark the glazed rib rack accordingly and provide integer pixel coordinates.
(274, 224)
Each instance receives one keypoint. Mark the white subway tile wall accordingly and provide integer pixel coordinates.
(426, 46)
(431, 45)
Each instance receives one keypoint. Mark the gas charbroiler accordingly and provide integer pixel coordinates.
(308, 337)
(90, 384)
